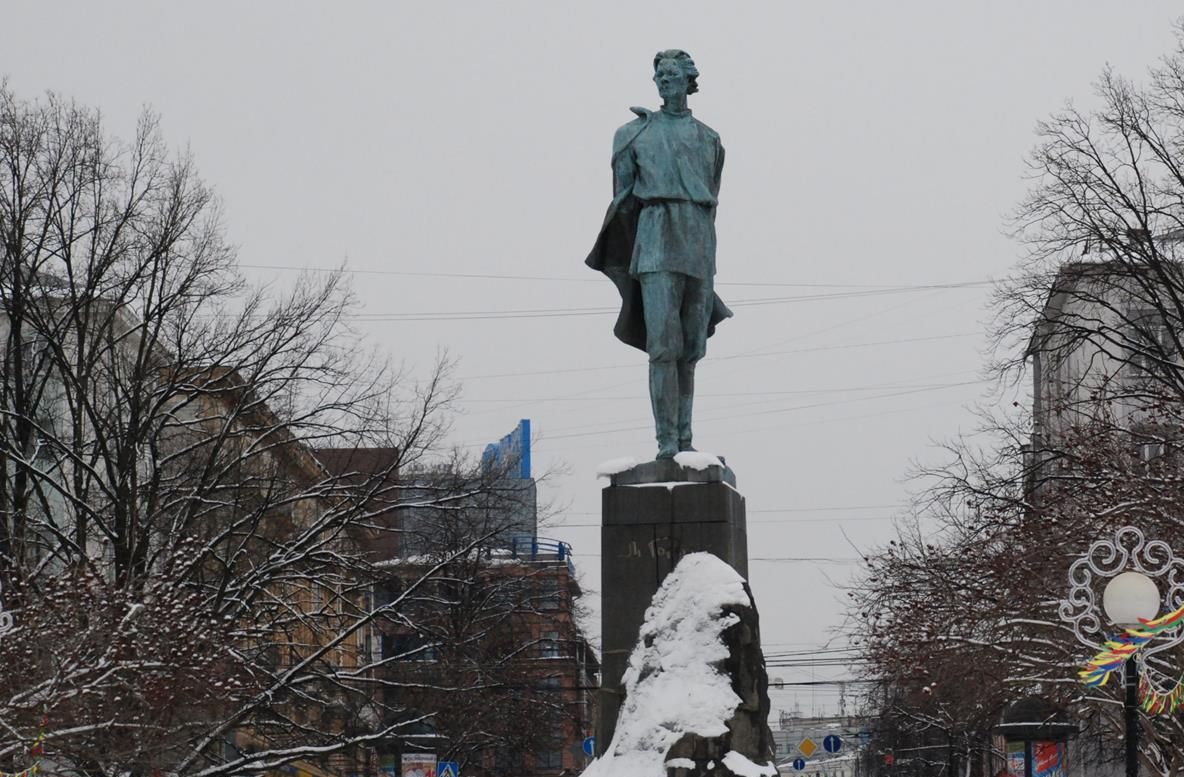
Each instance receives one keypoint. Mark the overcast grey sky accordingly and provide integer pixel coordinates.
(870, 145)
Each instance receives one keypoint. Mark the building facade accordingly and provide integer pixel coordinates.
(1104, 356)
(478, 655)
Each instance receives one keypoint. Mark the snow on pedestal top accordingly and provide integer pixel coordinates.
(696, 460)
(615, 466)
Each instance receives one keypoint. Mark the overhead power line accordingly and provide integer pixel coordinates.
(709, 394)
(821, 509)
(778, 559)
(587, 278)
(486, 315)
(828, 519)
(813, 653)
(768, 412)
(754, 354)
(783, 684)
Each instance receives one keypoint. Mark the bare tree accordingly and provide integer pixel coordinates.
(960, 611)
(191, 584)
(961, 618)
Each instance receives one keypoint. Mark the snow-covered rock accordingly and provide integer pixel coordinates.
(676, 687)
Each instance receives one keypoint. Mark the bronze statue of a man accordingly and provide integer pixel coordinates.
(658, 243)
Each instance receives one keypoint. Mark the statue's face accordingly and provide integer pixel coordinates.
(671, 81)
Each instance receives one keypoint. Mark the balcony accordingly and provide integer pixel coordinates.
(542, 549)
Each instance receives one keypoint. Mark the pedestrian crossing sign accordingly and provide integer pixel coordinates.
(448, 769)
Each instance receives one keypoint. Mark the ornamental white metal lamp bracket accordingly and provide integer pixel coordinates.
(1142, 577)
(6, 623)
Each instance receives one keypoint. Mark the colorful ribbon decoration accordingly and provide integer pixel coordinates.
(1119, 649)
(36, 750)
(1156, 703)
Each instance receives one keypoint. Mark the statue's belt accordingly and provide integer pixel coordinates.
(663, 200)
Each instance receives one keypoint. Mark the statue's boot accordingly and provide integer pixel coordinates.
(686, 398)
(664, 399)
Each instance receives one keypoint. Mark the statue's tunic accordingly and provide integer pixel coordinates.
(666, 176)
(675, 167)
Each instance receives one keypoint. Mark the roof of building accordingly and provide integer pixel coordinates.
(1068, 279)
(368, 461)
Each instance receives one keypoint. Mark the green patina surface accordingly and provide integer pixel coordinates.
(657, 243)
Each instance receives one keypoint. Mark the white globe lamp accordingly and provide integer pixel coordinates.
(1130, 597)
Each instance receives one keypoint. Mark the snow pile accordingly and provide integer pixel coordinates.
(673, 686)
(697, 460)
(680, 763)
(741, 765)
(615, 467)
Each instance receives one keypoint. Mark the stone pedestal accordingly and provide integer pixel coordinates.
(653, 515)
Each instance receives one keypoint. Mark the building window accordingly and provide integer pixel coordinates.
(550, 596)
(1152, 343)
(407, 647)
(387, 591)
(508, 761)
(549, 644)
(1150, 451)
(1152, 456)
(549, 759)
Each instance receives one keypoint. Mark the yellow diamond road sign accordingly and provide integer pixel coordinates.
(807, 747)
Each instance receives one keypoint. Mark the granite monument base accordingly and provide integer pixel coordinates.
(653, 515)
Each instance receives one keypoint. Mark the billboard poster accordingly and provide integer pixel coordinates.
(419, 765)
(1015, 759)
(1049, 759)
(511, 451)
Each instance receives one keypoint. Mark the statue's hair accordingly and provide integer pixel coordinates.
(684, 61)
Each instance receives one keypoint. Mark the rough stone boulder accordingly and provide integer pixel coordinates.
(696, 691)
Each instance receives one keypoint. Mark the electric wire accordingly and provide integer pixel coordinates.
(731, 416)
(527, 313)
(759, 353)
(588, 278)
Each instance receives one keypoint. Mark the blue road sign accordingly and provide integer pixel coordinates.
(799, 763)
(589, 747)
(832, 743)
(448, 769)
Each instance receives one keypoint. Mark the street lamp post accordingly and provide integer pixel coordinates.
(1130, 710)
(1131, 565)
(1128, 599)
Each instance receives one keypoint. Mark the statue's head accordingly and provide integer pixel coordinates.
(675, 73)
